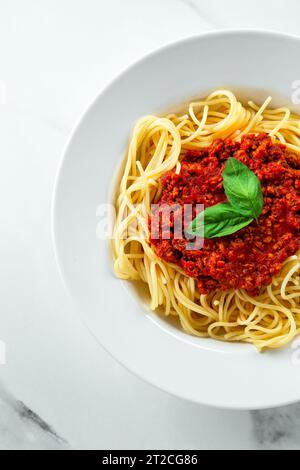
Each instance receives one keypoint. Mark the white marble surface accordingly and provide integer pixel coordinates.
(59, 389)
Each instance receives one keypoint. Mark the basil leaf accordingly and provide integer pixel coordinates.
(244, 193)
(242, 188)
(218, 221)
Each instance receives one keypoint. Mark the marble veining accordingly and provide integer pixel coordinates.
(21, 428)
(197, 8)
(278, 428)
(55, 56)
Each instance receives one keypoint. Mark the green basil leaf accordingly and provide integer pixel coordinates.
(242, 188)
(218, 221)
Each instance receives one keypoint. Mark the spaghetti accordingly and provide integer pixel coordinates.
(270, 319)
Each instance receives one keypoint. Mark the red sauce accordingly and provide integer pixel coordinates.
(249, 258)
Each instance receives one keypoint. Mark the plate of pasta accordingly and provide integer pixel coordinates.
(176, 219)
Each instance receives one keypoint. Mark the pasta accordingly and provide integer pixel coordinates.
(270, 319)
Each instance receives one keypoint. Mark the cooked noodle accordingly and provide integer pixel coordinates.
(269, 320)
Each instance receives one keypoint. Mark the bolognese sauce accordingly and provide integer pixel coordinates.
(249, 258)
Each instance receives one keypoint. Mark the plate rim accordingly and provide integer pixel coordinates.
(58, 176)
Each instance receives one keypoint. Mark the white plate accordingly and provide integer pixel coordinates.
(254, 64)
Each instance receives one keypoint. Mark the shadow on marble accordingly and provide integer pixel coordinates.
(22, 429)
(278, 428)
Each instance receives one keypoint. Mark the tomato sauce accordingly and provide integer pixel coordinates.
(249, 258)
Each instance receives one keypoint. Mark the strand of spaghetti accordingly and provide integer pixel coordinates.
(281, 123)
(269, 320)
(198, 131)
(287, 279)
(257, 116)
